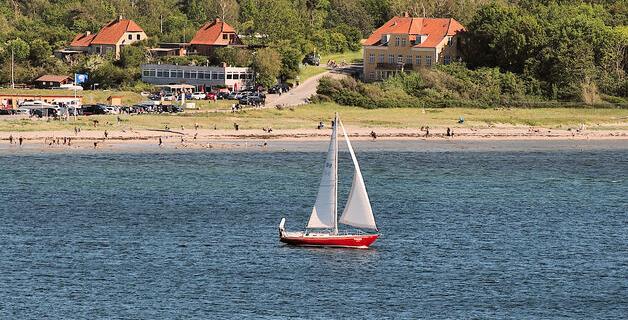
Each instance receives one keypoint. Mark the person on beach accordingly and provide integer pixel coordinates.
(69, 142)
(427, 132)
(196, 126)
(196, 134)
(236, 126)
(160, 142)
(20, 140)
(106, 134)
(374, 135)
(448, 132)
(452, 133)
(11, 139)
(65, 140)
(95, 144)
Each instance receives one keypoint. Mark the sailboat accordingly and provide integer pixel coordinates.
(322, 228)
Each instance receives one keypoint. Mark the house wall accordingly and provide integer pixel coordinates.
(413, 58)
(231, 77)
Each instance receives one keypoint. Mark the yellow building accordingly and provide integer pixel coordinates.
(406, 43)
(109, 40)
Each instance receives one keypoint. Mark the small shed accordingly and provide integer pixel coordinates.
(50, 81)
(115, 100)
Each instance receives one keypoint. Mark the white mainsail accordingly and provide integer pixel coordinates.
(324, 211)
(358, 211)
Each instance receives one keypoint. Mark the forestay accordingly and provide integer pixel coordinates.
(358, 211)
(324, 211)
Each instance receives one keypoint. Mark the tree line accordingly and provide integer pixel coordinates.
(560, 49)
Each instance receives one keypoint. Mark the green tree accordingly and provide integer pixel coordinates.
(40, 52)
(267, 66)
(132, 56)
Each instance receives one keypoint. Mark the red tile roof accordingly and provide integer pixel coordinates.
(114, 30)
(211, 33)
(436, 29)
(82, 40)
(53, 78)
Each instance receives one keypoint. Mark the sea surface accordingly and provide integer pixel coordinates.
(520, 233)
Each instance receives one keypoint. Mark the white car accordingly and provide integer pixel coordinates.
(36, 104)
(112, 110)
(170, 97)
(198, 95)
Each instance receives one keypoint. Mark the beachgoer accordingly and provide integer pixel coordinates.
(270, 129)
(95, 144)
(452, 133)
(196, 126)
(20, 140)
(65, 140)
(196, 134)
(374, 135)
(69, 141)
(160, 142)
(106, 134)
(448, 132)
(236, 126)
(11, 139)
(427, 131)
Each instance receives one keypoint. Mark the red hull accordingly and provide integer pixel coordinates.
(343, 241)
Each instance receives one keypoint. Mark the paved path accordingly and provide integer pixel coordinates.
(305, 90)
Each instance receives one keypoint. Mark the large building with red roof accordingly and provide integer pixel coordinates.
(110, 39)
(211, 35)
(405, 43)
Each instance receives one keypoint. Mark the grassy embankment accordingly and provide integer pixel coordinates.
(309, 116)
(310, 71)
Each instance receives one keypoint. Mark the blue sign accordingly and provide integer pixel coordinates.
(80, 78)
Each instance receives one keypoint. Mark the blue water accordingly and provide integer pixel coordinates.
(489, 235)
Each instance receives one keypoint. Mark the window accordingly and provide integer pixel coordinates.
(428, 60)
(130, 37)
(221, 76)
(397, 41)
(381, 58)
(160, 73)
(450, 41)
(418, 60)
(225, 36)
(214, 76)
(193, 75)
(409, 59)
(391, 59)
(144, 73)
(236, 76)
(403, 42)
(139, 37)
(186, 74)
(372, 58)
(447, 60)
(242, 76)
(151, 73)
(179, 73)
(208, 75)
(372, 75)
(229, 76)
(399, 59)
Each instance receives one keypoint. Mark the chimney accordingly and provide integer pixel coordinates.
(120, 18)
(87, 33)
(406, 14)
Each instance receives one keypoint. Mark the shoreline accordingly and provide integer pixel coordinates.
(509, 138)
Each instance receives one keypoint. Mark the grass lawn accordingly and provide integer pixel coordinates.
(309, 116)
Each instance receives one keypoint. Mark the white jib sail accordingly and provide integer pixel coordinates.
(358, 212)
(323, 213)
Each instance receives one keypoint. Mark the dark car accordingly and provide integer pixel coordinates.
(275, 89)
(312, 59)
(171, 108)
(45, 112)
(222, 95)
(253, 99)
(93, 109)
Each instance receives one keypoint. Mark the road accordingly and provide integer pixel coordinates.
(305, 90)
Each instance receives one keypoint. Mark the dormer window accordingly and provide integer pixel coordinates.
(404, 42)
(397, 41)
(385, 38)
(225, 36)
(130, 37)
(450, 40)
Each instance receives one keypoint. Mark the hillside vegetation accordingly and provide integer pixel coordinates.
(547, 50)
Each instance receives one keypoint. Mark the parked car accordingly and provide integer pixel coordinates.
(171, 108)
(94, 109)
(45, 112)
(112, 110)
(199, 95)
(170, 97)
(312, 59)
(252, 99)
(275, 89)
(155, 97)
(222, 95)
(35, 104)
(211, 95)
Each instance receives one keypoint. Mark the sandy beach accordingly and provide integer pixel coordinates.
(200, 139)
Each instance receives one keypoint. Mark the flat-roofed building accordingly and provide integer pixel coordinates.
(235, 78)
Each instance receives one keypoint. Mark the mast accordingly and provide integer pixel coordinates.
(334, 130)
